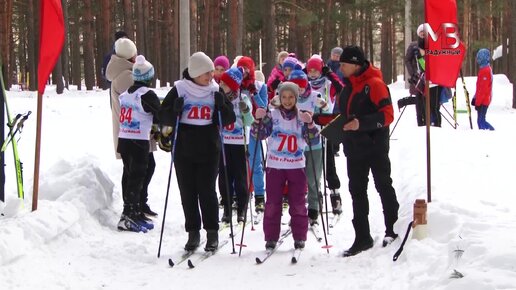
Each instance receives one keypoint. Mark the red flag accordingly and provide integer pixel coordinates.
(445, 51)
(51, 39)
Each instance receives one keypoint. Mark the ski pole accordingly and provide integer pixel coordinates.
(325, 155)
(318, 195)
(258, 143)
(19, 126)
(397, 121)
(169, 177)
(466, 94)
(228, 195)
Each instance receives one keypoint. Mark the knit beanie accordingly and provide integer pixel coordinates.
(483, 57)
(299, 78)
(291, 62)
(233, 78)
(120, 34)
(199, 63)
(336, 50)
(280, 55)
(289, 86)
(142, 69)
(125, 48)
(420, 29)
(352, 54)
(246, 62)
(314, 63)
(259, 76)
(222, 61)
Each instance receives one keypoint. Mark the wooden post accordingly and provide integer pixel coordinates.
(428, 160)
(35, 187)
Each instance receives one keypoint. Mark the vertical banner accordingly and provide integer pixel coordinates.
(444, 51)
(50, 45)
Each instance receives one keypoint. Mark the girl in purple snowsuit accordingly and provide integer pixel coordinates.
(286, 130)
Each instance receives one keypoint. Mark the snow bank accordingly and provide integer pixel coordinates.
(68, 192)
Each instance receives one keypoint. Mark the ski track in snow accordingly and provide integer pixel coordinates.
(71, 241)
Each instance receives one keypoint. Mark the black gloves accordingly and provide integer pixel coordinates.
(244, 108)
(275, 84)
(178, 105)
(325, 71)
(164, 143)
(219, 100)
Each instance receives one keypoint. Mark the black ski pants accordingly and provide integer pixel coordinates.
(135, 156)
(196, 181)
(358, 172)
(237, 173)
(144, 195)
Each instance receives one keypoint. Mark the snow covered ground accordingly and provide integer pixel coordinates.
(71, 241)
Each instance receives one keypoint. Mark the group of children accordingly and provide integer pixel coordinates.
(217, 116)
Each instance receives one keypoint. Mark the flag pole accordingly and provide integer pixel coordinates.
(428, 163)
(35, 186)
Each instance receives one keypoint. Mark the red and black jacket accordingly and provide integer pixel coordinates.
(369, 101)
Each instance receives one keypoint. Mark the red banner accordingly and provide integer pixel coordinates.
(51, 39)
(444, 50)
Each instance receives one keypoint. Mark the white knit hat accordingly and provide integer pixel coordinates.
(125, 48)
(142, 69)
(199, 63)
(420, 29)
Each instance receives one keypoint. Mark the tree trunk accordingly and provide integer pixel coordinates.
(141, 27)
(386, 57)
(233, 28)
(32, 45)
(269, 37)
(65, 54)
(512, 50)
(57, 76)
(193, 25)
(87, 46)
(6, 14)
(239, 42)
(75, 45)
(128, 18)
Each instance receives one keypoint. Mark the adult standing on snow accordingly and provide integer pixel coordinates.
(198, 147)
(366, 144)
(107, 57)
(415, 51)
(119, 73)
(139, 106)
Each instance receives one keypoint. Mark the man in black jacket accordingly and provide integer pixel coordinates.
(369, 110)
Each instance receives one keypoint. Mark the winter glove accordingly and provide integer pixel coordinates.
(155, 132)
(305, 117)
(321, 103)
(178, 105)
(260, 113)
(325, 71)
(219, 100)
(244, 108)
(414, 78)
(164, 143)
(473, 101)
(275, 84)
(166, 131)
(275, 102)
(252, 89)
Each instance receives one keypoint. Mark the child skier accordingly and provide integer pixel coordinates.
(236, 137)
(196, 156)
(328, 85)
(286, 129)
(311, 101)
(138, 107)
(484, 92)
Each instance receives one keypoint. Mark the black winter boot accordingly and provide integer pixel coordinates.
(363, 240)
(212, 240)
(194, 239)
